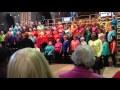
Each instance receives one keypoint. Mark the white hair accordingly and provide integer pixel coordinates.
(28, 63)
(83, 55)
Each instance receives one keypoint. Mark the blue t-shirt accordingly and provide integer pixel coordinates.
(66, 45)
(114, 22)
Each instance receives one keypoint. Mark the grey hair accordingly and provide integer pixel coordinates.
(83, 55)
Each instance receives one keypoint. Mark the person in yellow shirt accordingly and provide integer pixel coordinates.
(96, 44)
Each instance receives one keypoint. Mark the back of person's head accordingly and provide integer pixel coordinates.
(83, 56)
(82, 39)
(113, 27)
(26, 35)
(28, 63)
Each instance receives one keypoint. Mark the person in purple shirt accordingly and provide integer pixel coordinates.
(83, 59)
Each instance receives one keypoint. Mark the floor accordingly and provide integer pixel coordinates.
(108, 72)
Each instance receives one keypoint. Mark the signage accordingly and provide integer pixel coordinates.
(66, 19)
(104, 14)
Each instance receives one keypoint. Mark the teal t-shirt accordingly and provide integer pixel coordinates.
(88, 36)
(105, 50)
(49, 50)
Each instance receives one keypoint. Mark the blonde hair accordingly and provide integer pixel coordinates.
(28, 63)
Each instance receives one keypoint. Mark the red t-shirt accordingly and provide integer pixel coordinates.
(113, 45)
(56, 36)
(45, 38)
(40, 40)
(50, 37)
(35, 33)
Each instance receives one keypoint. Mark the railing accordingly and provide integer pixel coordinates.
(51, 22)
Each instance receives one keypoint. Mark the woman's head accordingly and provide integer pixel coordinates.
(58, 40)
(75, 38)
(50, 43)
(65, 37)
(101, 36)
(26, 35)
(30, 29)
(83, 55)
(82, 39)
(32, 65)
(94, 36)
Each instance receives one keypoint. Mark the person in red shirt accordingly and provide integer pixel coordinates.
(81, 30)
(74, 43)
(35, 32)
(113, 50)
(60, 27)
(56, 35)
(40, 39)
(50, 35)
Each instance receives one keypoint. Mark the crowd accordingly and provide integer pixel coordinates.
(96, 38)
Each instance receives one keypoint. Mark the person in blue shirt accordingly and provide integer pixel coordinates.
(115, 22)
(111, 34)
(66, 47)
(49, 52)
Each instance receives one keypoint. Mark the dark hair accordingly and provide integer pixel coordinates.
(26, 35)
(113, 38)
(113, 27)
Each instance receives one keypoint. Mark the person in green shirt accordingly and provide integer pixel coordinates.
(40, 26)
(2, 37)
(105, 52)
(87, 35)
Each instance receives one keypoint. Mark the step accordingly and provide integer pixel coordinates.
(118, 39)
(118, 54)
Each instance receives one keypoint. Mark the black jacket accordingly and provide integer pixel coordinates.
(26, 43)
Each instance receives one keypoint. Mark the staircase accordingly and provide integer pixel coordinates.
(118, 42)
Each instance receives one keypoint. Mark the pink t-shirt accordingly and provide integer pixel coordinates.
(74, 44)
(58, 47)
(94, 29)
